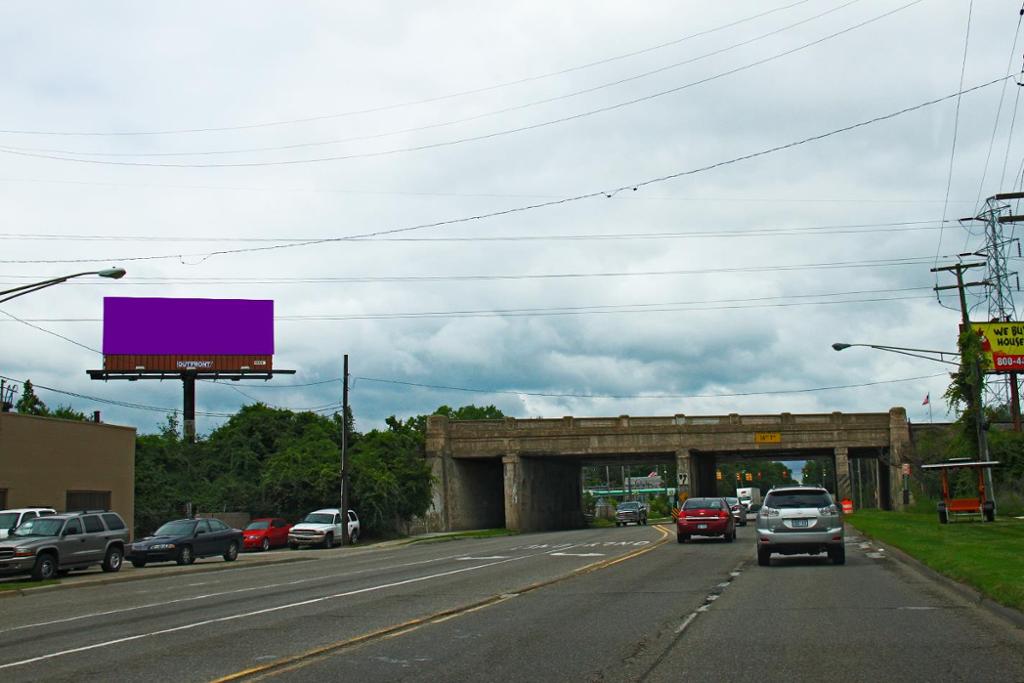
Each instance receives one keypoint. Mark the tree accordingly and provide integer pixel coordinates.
(29, 403)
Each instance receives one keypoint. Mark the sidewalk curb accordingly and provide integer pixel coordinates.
(972, 595)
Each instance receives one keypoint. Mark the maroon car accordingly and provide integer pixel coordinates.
(705, 517)
(266, 533)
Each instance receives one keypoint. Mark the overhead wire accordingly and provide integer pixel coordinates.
(443, 124)
(776, 392)
(469, 195)
(203, 256)
(354, 279)
(782, 300)
(850, 228)
(475, 138)
(956, 126)
(995, 124)
(429, 100)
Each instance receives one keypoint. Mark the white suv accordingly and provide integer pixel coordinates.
(10, 519)
(797, 520)
(322, 528)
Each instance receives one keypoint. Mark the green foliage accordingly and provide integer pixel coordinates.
(660, 506)
(267, 461)
(68, 413)
(391, 479)
(963, 392)
(29, 403)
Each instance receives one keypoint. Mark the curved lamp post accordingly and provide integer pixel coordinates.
(936, 356)
(114, 273)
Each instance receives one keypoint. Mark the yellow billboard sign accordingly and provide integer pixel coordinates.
(1003, 344)
(767, 437)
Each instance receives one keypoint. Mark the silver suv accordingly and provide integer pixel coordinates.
(797, 520)
(48, 546)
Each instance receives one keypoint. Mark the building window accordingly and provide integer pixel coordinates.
(87, 500)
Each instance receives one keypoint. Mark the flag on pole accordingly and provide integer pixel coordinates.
(927, 399)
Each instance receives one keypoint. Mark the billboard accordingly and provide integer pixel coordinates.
(181, 335)
(1003, 344)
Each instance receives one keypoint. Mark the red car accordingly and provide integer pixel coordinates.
(265, 533)
(705, 517)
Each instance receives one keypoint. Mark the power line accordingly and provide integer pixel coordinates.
(659, 307)
(469, 195)
(539, 205)
(361, 279)
(854, 228)
(646, 396)
(429, 100)
(459, 141)
(956, 125)
(443, 124)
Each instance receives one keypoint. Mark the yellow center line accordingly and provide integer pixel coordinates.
(286, 664)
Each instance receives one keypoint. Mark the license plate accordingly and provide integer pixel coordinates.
(702, 526)
(798, 523)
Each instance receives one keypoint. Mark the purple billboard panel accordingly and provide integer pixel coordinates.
(175, 327)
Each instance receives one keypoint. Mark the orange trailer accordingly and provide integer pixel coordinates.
(950, 507)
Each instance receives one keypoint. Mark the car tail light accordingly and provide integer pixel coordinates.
(770, 512)
(723, 514)
(829, 510)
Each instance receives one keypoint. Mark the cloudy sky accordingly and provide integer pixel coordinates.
(466, 171)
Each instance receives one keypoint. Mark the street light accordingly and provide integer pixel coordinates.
(916, 353)
(976, 381)
(113, 273)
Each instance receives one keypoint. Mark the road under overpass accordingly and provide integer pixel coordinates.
(524, 474)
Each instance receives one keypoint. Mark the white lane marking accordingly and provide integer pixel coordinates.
(686, 622)
(917, 608)
(577, 554)
(201, 583)
(266, 610)
(492, 557)
(235, 591)
(875, 556)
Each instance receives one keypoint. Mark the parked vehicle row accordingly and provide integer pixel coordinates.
(44, 544)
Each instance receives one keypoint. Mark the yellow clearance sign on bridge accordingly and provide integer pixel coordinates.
(767, 437)
(1003, 344)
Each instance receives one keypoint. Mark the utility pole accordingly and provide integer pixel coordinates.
(343, 493)
(977, 379)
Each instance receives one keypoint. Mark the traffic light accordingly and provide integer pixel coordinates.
(718, 475)
(750, 477)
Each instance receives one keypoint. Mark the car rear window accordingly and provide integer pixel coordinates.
(703, 504)
(798, 499)
(113, 521)
(93, 524)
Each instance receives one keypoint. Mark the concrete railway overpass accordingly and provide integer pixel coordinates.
(524, 474)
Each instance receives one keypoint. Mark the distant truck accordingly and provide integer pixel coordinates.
(749, 496)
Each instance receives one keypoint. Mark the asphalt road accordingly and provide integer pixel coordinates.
(595, 605)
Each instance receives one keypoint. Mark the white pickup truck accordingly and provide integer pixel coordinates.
(322, 528)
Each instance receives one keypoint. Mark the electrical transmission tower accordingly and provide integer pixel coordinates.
(1000, 281)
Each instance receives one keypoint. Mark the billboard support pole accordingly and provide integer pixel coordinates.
(345, 540)
(188, 380)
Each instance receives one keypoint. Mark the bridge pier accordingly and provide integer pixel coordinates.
(686, 474)
(542, 494)
(843, 487)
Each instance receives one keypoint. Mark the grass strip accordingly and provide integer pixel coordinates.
(22, 585)
(986, 556)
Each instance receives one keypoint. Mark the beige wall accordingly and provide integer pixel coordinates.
(43, 458)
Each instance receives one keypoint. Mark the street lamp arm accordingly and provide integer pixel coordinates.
(905, 351)
(115, 273)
